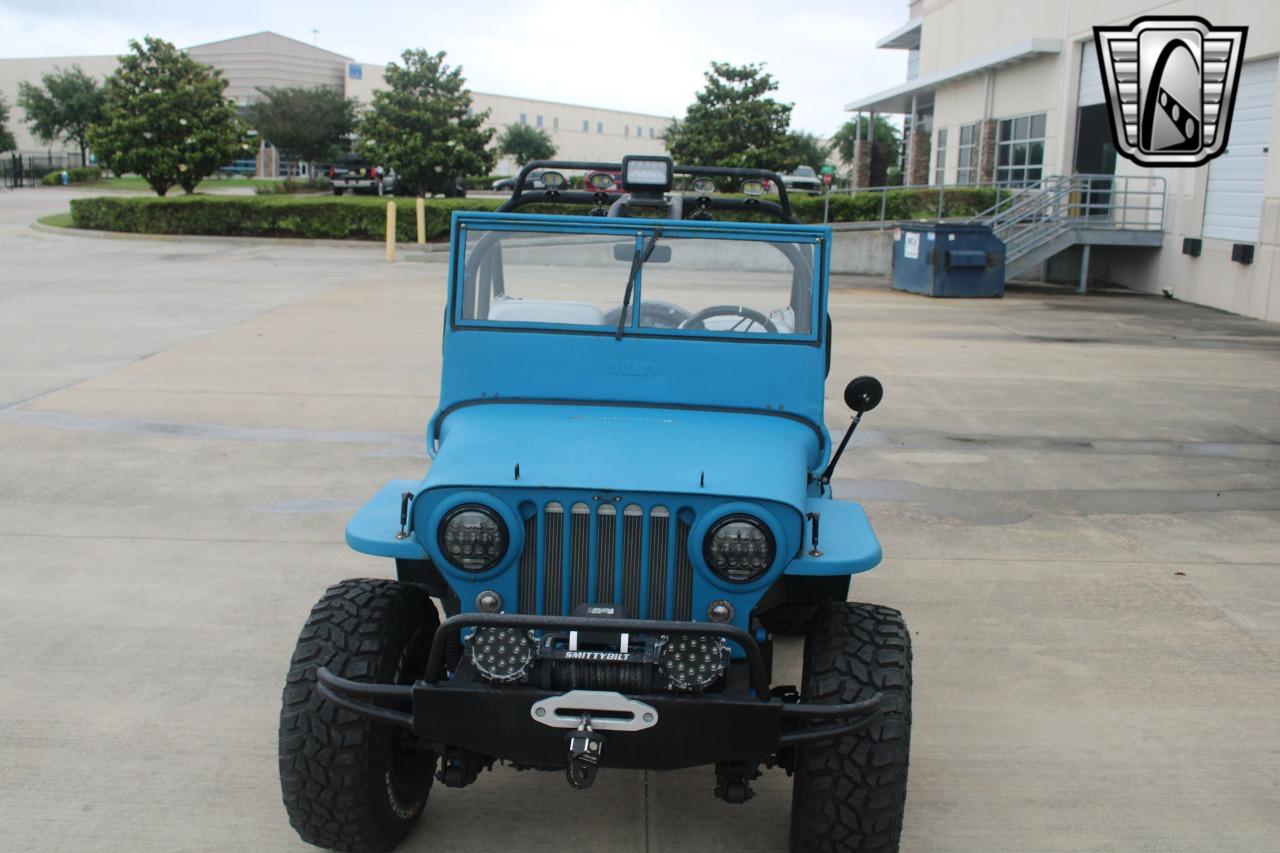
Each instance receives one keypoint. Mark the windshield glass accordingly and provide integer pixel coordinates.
(691, 284)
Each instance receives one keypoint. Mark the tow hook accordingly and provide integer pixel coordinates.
(586, 746)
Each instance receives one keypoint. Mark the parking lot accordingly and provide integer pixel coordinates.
(1078, 499)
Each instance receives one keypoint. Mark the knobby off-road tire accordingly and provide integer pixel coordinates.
(348, 783)
(849, 793)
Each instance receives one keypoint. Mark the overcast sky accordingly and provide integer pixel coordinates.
(648, 56)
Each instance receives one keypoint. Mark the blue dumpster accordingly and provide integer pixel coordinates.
(947, 259)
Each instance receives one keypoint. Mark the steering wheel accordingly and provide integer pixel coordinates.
(699, 319)
(654, 313)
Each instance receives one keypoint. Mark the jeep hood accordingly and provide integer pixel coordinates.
(764, 456)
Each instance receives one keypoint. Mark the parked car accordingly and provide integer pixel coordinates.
(357, 175)
(630, 498)
(804, 180)
(533, 182)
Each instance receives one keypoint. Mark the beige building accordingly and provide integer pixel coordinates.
(1010, 91)
(265, 60)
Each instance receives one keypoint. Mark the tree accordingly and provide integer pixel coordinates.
(422, 125)
(307, 125)
(733, 122)
(63, 107)
(526, 143)
(849, 132)
(885, 146)
(167, 119)
(7, 142)
(807, 149)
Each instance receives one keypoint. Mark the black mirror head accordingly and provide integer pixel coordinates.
(863, 394)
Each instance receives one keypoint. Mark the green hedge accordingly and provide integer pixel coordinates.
(364, 217)
(292, 186)
(83, 175)
(314, 217)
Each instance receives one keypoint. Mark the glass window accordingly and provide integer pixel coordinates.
(651, 133)
(599, 127)
(639, 131)
(691, 284)
(524, 119)
(539, 120)
(967, 155)
(586, 125)
(940, 158)
(1020, 150)
(626, 131)
(555, 123)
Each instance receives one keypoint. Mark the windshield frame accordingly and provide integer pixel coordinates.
(817, 237)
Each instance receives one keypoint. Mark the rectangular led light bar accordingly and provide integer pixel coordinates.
(654, 174)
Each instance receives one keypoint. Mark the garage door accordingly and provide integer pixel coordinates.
(1233, 203)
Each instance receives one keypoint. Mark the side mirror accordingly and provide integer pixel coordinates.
(863, 394)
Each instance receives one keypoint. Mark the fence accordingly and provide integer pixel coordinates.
(26, 170)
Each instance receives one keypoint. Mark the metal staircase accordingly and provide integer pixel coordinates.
(1038, 221)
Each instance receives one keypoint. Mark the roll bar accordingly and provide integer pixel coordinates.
(780, 210)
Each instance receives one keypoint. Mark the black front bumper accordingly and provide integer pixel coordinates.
(690, 729)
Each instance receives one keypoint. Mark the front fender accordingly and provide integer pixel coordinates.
(846, 541)
(374, 528)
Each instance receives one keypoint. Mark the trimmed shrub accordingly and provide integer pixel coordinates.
(291, 186)
(330, 218)
(364, 217)
(79, 175)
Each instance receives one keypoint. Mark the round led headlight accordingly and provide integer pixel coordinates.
(473, 537)
(501, 654)
(692, 662)
(739, 548)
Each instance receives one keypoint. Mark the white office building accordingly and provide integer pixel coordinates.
(1010, 92)
(266, 60)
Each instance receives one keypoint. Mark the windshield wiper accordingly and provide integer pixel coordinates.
(637, 261)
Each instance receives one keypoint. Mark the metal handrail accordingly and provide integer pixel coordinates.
(1041, 212)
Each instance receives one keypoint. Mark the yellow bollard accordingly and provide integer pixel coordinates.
(391, 232)
(422, 221)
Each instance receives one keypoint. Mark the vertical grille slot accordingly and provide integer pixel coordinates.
(632, 554)
(659, 526)
(529, 567)
(606, 543)
(553, 558)
(579, 554)
(684, 574)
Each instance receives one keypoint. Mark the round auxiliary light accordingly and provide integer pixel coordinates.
(472, 537)
(739, 548)
(720, 611)
(488, 601)
(600, 180)
(703, 186)
(553, 180)
(752, 186)
(692, 662)
(501, 654)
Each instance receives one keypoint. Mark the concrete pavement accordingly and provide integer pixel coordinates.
(1079, 500)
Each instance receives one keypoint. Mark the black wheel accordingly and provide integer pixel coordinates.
(350, 784)
(850, 793)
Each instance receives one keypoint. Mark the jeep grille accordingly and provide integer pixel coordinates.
(584, 557)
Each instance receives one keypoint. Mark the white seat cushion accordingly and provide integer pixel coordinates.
(540, 311)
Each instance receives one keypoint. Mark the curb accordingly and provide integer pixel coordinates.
(359, 245)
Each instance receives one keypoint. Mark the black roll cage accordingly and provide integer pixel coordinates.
(491, 268)
(780, 210)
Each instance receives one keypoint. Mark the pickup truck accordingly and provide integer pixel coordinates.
(356, 175)
(803, 180)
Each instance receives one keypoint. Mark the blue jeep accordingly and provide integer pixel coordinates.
(630, 497)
